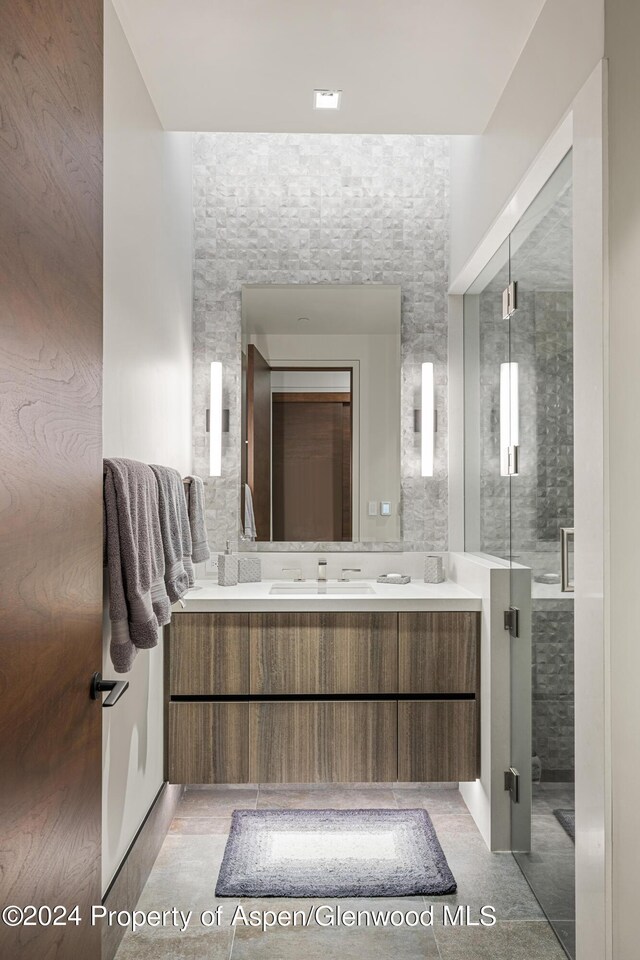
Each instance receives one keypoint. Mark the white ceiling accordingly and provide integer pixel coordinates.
(404, 66)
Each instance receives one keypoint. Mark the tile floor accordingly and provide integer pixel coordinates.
(550, 867)
(185, 873)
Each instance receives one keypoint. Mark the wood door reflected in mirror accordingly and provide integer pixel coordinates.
(311, 472)
(259, 441)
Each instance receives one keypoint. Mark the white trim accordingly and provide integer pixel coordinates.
(554, 150)
(592, 681)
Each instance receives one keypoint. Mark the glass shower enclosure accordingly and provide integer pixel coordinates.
(518, 356)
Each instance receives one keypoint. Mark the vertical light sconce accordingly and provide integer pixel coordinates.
(509, 419)
(427, 420)
(215, 420)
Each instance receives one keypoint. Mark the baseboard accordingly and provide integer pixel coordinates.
(126, 886)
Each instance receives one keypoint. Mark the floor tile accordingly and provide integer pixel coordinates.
(318, 943)
(566, 932)
(375, 905)
(200, 825)
(485, 878)
(216, 801)
(504, 941)
(324, 796)
(430, 799)
(185, 875)
(197, 944)
(186, 872)
(455, 824)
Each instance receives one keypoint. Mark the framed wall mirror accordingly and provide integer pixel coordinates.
(320, 413)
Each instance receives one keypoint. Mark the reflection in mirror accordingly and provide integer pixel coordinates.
(321, 412)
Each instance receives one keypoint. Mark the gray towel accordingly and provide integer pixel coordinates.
(197, 520)
(249, 516)
(138, 602)
(175, 531)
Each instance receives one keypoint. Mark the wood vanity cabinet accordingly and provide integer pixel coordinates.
(323, 697)
(209, 654)
(323, 653)
(332, 741)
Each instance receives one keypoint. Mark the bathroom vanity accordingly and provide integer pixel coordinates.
(363, 688)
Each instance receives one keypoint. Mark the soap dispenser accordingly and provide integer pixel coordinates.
(227, 568)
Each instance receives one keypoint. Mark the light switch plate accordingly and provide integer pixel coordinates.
(385, 508)
(373, 508)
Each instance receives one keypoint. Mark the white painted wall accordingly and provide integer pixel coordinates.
(564, 47)
(147, 383)
(622, 33)
(485, 797)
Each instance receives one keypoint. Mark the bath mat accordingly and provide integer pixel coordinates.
(567, 819)
(333, 853)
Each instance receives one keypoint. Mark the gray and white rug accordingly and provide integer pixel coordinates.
(567, 818)
(333, 853)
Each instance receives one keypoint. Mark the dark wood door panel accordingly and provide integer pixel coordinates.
(437, 740)
(439, 652)
(259, 439)
(50, 449)
(322, 742)
(316, 653)
(311, 468)
(209, 654)
(208, 743)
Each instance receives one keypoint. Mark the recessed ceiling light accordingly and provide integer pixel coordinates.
(326, 99)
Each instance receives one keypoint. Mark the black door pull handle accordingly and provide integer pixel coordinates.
(115, 687)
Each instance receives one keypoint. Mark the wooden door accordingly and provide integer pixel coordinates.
(311, 466)
(51, 477)
(259, 439)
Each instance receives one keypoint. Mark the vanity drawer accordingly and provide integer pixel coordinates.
(328, 741)
(438, 652)
(208, 743)
(209, 654)
(318, 653)
(438, 740)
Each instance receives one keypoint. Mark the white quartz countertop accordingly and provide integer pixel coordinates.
(549, 591)
(208, 597)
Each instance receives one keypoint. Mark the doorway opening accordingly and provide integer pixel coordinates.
(312, 429)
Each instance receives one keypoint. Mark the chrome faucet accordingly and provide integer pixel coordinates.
(298, 573)
(322, 571)
(344, 579)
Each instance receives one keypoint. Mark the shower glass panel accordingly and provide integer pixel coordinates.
(518, 319)
(541, 344)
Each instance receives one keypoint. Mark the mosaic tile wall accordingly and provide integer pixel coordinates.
(273, 208)
(553, 686)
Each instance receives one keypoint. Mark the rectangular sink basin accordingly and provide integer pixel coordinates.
(310, 587)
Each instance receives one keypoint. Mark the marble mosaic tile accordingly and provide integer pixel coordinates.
(294, 208)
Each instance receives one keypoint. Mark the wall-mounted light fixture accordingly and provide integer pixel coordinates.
(215, 420)
(509, 419)
(427, 420)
